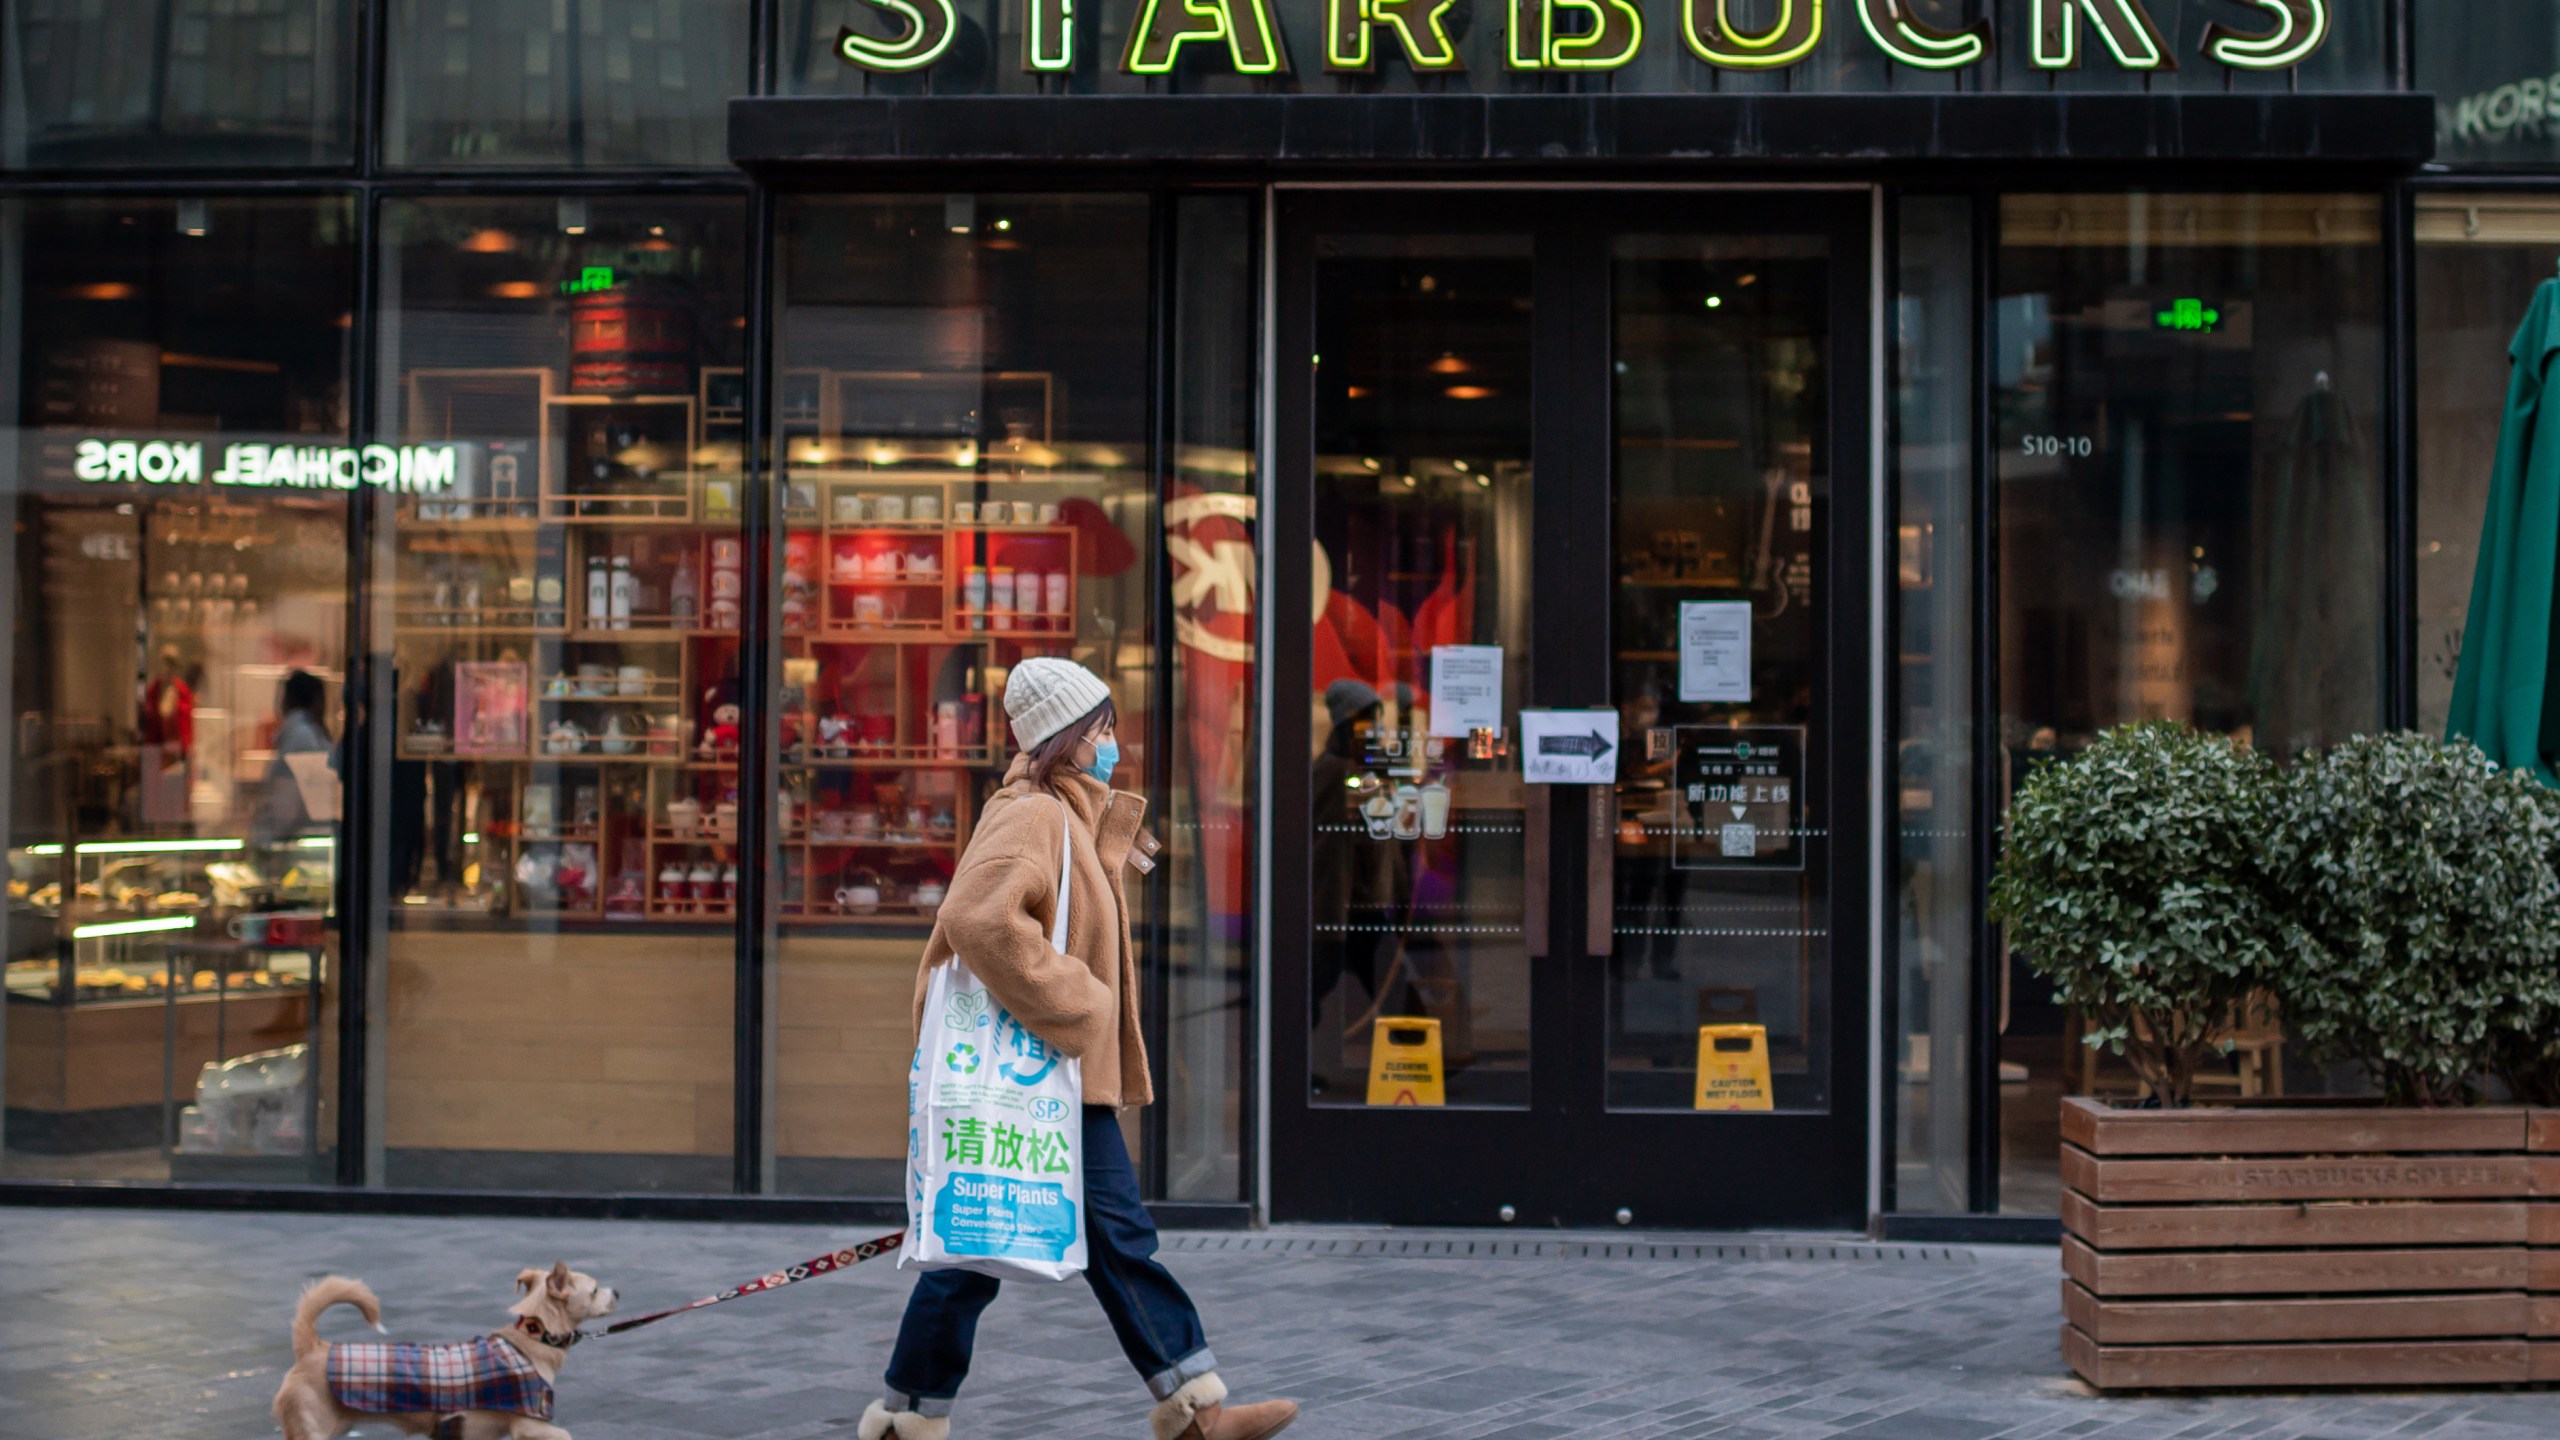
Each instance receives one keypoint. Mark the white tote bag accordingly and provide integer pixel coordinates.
(995, 1132)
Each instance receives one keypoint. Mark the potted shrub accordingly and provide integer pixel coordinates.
(2127, 878)
(2420, 877)
(2398, 896)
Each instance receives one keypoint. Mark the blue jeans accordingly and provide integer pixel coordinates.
(1157, 1325)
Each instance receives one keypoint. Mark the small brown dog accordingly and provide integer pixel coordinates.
(496, 1386)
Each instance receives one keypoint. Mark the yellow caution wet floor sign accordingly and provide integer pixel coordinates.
(1733, 1067)
(1404, 1062)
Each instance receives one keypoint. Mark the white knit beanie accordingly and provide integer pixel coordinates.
(1045, 695)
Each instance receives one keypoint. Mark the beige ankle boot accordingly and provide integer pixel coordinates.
(1199, 1411)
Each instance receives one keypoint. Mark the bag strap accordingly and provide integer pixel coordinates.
(1066, 850)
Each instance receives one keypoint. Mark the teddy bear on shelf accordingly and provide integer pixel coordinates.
(720, 731)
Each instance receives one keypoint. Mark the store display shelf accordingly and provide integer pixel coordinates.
(618, 509)
(640, 754)
(471, 517)
(407, 628)
(885, 582)
(702, 834)
(588, 835)
(882, 842)
(884, 914)
(637, 635)
(655, 687)
(868, 761)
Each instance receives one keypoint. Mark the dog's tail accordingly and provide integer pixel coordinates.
(319, 1295)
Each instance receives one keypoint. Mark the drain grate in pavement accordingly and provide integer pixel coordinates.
(1390, 1247)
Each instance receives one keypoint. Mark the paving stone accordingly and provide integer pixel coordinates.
(116, 1324)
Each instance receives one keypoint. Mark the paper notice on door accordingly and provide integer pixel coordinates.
(1466, 689)
(1569, 747)
(1715, 651)
(318, 784)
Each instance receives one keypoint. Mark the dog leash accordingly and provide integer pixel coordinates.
(826, 1264)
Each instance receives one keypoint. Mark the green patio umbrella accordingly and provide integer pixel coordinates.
(2502, 695)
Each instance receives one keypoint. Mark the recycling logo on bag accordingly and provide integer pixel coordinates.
(963, 1059)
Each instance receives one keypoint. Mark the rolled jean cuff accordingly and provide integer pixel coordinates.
(931, 1407)
(1163, 1383)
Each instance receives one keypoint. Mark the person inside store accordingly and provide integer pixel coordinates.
(167, 731)
(284, 808)
(1058, 815)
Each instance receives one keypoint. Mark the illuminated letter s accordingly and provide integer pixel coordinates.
(2300, 27)
(1911, 40)
(930, 26)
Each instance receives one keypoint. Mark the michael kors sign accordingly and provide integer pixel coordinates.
(1571, 35)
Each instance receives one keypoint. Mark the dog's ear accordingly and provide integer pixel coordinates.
(526, 1279)
(558, 1280)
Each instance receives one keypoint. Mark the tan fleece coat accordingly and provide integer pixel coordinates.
(1003, 899)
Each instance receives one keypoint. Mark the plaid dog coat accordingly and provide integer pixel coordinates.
(401, 1379)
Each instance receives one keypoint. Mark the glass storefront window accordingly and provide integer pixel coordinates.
(1932, 799)
(483, 83)
(2495, 73)
(557, 612)
(962, 411)
(177, 83)
(2189, 508)
(1212, 565)
(2479, 258)
(177, 480)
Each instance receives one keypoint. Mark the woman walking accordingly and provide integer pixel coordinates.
(997, 914)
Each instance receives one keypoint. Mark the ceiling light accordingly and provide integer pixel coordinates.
(1004, 224)
(1715, 302)
(1448, 364)
(514, 290)
(1747, 280)
(489, 240)
(1370, 461)
(103, 290)
(194, 217)
(959, 213)
(1468, 392)
(573, 214)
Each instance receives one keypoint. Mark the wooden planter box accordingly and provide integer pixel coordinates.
(2295, 1247)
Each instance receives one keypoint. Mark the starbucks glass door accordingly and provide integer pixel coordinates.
(1570, 782)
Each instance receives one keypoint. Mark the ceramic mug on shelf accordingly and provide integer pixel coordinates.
(1049, 512)
(633, 679)
(685, 816)
(890, 509)
(964, 512)
(869, 608)
(929, 896)
(925, 508)
(849, 509)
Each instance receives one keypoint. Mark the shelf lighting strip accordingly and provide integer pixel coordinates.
(133, 927)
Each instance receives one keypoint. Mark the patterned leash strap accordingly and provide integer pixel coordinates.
(806, 1270)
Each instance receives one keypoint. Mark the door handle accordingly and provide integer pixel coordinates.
(1536, 811)
(1600, 872)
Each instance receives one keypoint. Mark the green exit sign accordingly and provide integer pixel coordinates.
(2186, 314)
(593, 280)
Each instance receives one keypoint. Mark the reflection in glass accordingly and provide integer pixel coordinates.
(477, 83)
(1211, 563)
(559, 680)
(177, 83)
(176, 671)
(1934, 919)
(1422, 520)
(1723, 475)
(2189, 521)
(963, 419)
(2479, 259)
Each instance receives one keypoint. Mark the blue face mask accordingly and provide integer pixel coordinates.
(1106, 758)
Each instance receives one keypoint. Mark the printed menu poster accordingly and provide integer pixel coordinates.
(1466, 689)
(1715, 651)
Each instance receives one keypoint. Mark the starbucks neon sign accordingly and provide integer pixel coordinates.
(1585, 35)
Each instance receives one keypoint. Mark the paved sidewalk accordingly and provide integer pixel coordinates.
(168, 1324)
